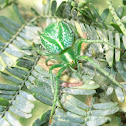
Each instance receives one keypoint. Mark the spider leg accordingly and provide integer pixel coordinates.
(80, 41)
(56, 90)
(78, 47)
(51, 57)
(78, 75)
(51, 74)
(99, 68)
(78, 67)
(39, 51)
(48, 59)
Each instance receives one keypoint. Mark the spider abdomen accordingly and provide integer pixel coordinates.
(57, 37)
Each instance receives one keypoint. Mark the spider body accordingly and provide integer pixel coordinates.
(60, 39)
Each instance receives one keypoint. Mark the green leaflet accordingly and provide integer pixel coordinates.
(98, 16)
(119, 93)
(18, 70)
(16, 73)
(121, 70)
(109, 90)
(53, 7)
(1, 67)
(12, 120)
(64, 10)
(43, 99)
(107, 105)
(110, 50)
(7, 92)
(41, 91)
(14, 51)
(20, 43)
(98, 121)
(18, 14)
(79, 91)
(105, 112)
(8, 87)
(43, 120)
(104, 14)
(124, 2)
(20, 113)
(2, 108)
(6, 59)
(65, 123)
(40, 71)
(116, 27)
(66, 118)
(8, 97)
(8, 25)
(124, 41)
(38, 122)
(117, 43)
(3, 102)
(13, 79)
(9, 21)
(75, 101)
(25, 36)
(2, 44)
(5, 35)
(73, 119)
(70, 118)
(120, 11)
(25, 63)
(75, 109)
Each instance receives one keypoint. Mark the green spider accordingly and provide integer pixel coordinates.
(60, 39)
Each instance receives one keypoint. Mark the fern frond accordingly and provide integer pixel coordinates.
(94, 114)
(18, 45)
(117, 19)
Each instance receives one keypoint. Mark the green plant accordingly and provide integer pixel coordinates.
(89, 104)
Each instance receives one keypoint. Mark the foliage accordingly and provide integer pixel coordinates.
(89, 104)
